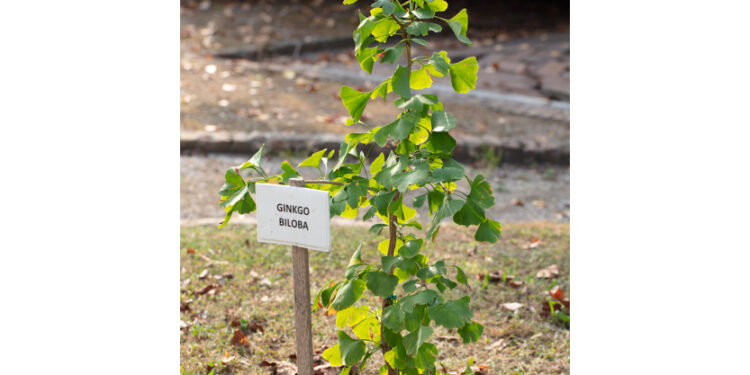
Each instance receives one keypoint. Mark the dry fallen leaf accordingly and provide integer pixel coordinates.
(495, 277)
(210, 289)
(286, 368)
(539, 204)
(549, 272)
(191, 251)
(515, 284)
(325, 369)
(517, 202)
(226, 360)
(534, 243)
(512, 306)
(556, 293)
(498, 345)
(203, 274)
(239, 338)
(480, 369)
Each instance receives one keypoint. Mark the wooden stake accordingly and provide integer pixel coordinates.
(302, 308)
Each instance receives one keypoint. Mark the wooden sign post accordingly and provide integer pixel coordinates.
(299, 217)
(302, 310)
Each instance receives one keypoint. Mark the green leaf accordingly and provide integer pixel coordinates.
(377, 164)
(414, 340)
(395, 176)
(348, 294)
(233, 189)
(488, 231)
(419, 79)
(471, 332)
(447, 208)
(419, 200)
(440, 142)
(434, 199)
(351, 349)
(388, 261)
(381, 136)
(411, 248)
(384, 28)
(369, 214)
(479, 198)
(460, 24)
(423, 297)
(245, 206)
(365, 58)
(325, 294)
(349, 2)
(423, 13)
(450, 171)
(381, 284)
(422, 28)
(409, 286)
(452, 314)
(393, 318)
(464, 75)
(355, 191)
(425, 359)
(356, 257)
(288, 171)
(436, 5)
(386, 5)
(382, 200)
(420, 41)
(354, 101)
(442, 122)
(255, 160)
(400, 82)
(405, 125)
(313, 160)
(391, 55)
(439, 63)
(376, 228)
(333, 354)
(461, 276)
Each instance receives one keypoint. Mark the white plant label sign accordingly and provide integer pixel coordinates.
(291, 215)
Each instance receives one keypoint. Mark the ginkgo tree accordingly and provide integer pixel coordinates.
(418, 160)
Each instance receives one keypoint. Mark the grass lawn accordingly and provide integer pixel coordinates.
(234, 280)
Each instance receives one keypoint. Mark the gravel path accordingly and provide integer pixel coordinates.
(521, 193)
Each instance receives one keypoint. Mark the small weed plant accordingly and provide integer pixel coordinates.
(411, 287)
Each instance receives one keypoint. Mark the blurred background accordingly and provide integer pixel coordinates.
(255, 72)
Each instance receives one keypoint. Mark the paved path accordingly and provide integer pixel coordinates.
(544, 192)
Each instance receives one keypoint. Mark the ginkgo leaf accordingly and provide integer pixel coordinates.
(400, 82)
(488, 231)
(333, 355)
(414, 340)
(464, 75)
(313, 160)
(420, 79)
(351, 349)
(354, 101)
(452, 314)
(460, 24)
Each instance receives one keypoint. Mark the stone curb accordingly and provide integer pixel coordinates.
(289, 48)
(468, 147)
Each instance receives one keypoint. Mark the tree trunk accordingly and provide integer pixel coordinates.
(387, 302)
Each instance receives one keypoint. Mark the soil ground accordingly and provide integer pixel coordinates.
(254, 284)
